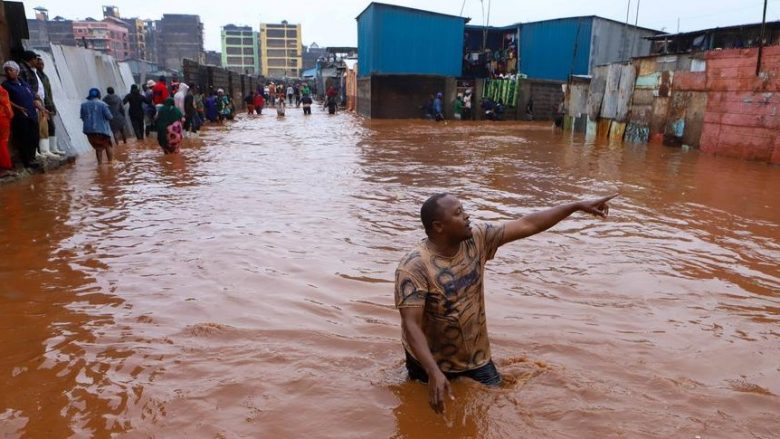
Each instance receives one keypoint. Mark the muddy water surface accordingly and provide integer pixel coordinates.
(244, 288)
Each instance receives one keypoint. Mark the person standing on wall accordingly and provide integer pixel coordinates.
(24, 125)
(29, 74)
(96, 116)
(48, 104)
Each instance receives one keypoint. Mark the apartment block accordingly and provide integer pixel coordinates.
(240, 51)
(281, 51)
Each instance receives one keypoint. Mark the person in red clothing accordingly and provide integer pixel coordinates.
(259, 102)
(6, 114)
(160, 92)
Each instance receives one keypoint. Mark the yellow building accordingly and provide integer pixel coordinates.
(281, 51)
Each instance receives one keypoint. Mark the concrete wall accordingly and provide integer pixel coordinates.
(364, 96)
(743, 110)
(546, 96)
(72, 72)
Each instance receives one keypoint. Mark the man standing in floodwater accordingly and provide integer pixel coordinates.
(439, 290)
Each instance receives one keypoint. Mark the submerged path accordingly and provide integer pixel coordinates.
(244, 288)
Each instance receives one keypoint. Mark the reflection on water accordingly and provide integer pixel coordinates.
(244, 288)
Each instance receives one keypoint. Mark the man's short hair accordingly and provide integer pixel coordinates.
(431, 211)
(110, 90)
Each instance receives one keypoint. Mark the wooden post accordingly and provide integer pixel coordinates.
(761, 41)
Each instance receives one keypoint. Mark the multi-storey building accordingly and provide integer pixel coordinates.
(311, 54)
(239, 49)
(44, 31)
(214, 58)
(179, 36)
(109, 36)
(281, 50)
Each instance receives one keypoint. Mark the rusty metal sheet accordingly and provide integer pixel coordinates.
(647, 66)
(596, 92)
(665, 87)
(578, 99)
(611, 92)
(625, 91)
(658, 119)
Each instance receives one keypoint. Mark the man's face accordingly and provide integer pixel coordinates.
(38, 63)
(454, 221)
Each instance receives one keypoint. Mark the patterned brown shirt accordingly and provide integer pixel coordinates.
(451, 290)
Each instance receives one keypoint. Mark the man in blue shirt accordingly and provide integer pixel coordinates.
(24, 125)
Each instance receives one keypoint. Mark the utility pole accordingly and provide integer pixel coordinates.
(636, 22)
(761, 40)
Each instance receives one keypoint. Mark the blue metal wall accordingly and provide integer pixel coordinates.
(396, 40)
(547, 48)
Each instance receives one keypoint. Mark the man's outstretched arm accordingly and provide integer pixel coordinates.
(540, 221)
(438, 384)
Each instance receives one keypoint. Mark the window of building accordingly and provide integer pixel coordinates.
(292, 43)
(292, 52)
(233, 50)
(249, 51)
(292, 33)
(235, 41)
(275, 43)
(277, 62)
(275, 33)
(294, 62)
(276, 53)
(248, 41)
(234, 60)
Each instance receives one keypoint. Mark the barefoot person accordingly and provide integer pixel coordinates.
(97, 117)
(439, 290)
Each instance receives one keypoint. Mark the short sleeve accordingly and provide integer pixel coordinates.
(410, 288)
(489, 237)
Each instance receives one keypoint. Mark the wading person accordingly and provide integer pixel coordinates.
(136, 102)
(118, 120)
(169, 127)
(6, 114)
(96, 116)
(306, 104)
(439, 290)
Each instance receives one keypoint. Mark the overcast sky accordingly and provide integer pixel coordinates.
(332, 23)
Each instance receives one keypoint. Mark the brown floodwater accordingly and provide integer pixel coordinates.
(244, 288)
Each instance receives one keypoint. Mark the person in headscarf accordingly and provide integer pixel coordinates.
(97, 116)
(118, 120)
(224, 105)
(178, 98)
(137, 102)
(24, 125)
(150, 110)
(169, 128)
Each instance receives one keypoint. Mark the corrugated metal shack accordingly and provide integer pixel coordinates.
(406, 55)
(549, 52)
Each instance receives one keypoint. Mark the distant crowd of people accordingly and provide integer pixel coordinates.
(462, 107)
(173, 110)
